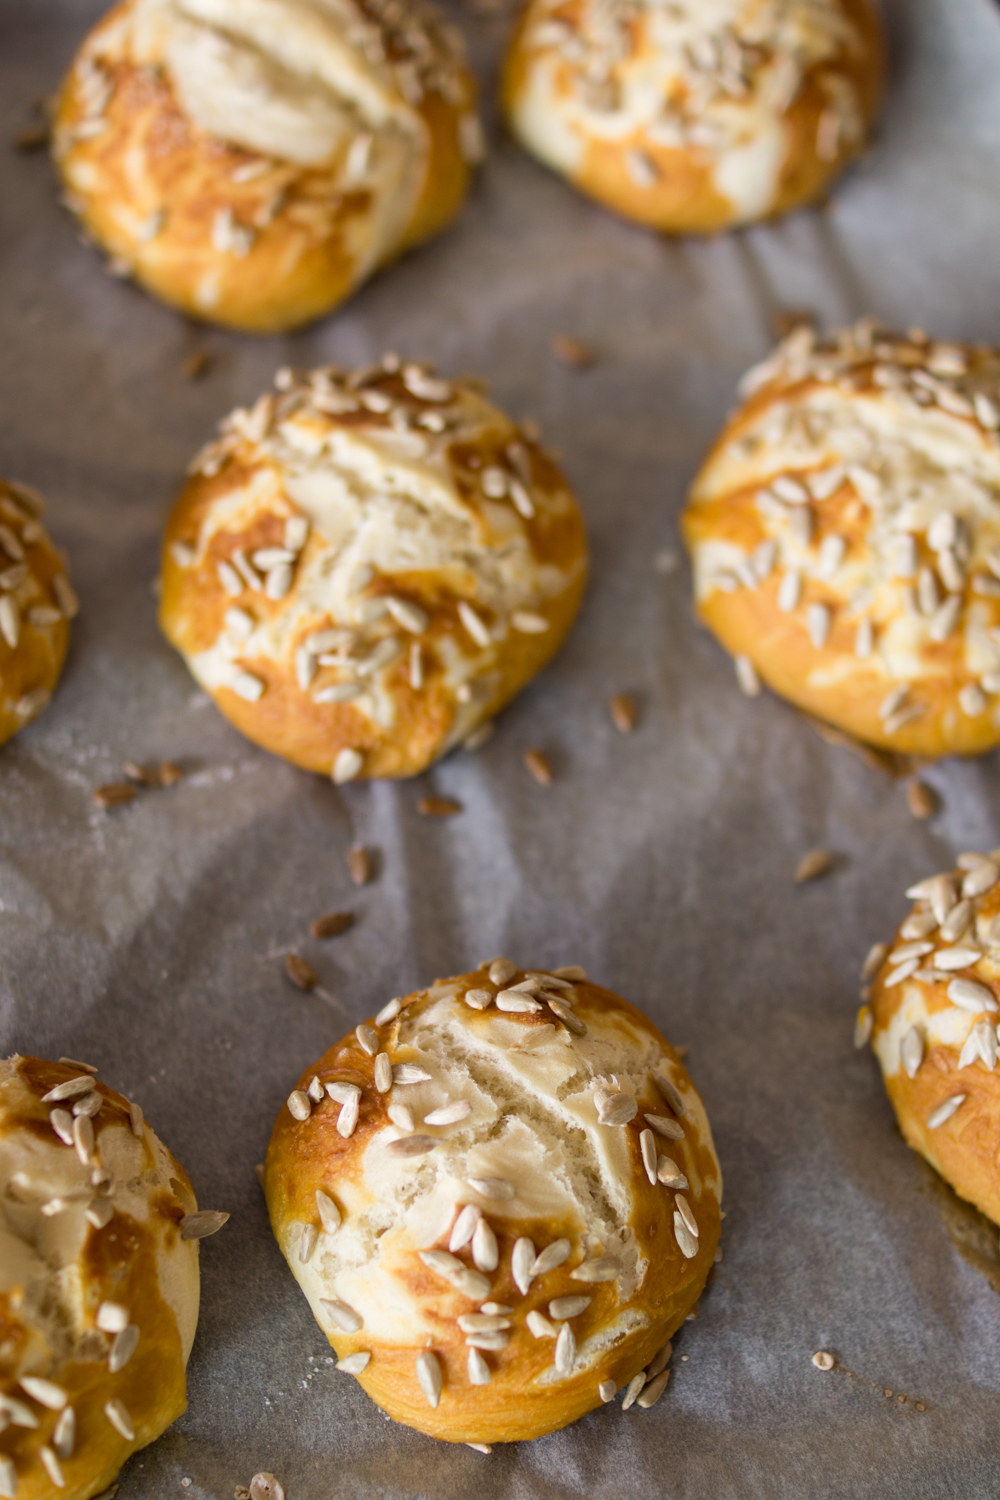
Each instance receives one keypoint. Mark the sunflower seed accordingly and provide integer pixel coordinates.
(565, 1352)
(522, 1259)
(552, 1256)
(485, 1251)
(112, 1317)
(51, 1465)
(516, 1002)
(478, 1369)
(64, 1433)
(17, 1412)
(746, 677)
(341, 1092)
(68, 1090)
(970, 995)
(686, 1241)
(539, 1326)
(83, 1139)
(956, 922)
(123, 1348)
(347, 1117)
(388, 1012)
(483, 1322)
(980, 880)
(812, 866)
(478, 999)
(919, 924)
(341, 1315)
(653, 1390)
(945, 1111)
(647, 1145)
(903, 972)
(412, 1145)
(669, 1093)
(117, 1415)
(45, 1392)
(429, 1376)
(464, 1227)
(635, 1385)
(986, 1043)
(62, 1123)
(493, 1187)
(956, 958)
(614, 1108)
(904, 952)
(198, 1226)
(684, 1209)
(573, 972)
(315, 1090)
(819, 618)
(874, 960)
(471, 1283)
(601, 1268)
(789, 591)
(491, 1341)
(659, 1361)
(664, 1126)
(407, 1073)
(354, 1364)
(449, 1114)
(911, 1052)
(99, 1213)
(607, 1391)
(669, 1173)
(329, 1213)
(560, 1009)
(502, 971)
(561, 1308)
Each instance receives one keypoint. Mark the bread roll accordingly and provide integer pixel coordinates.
(934, 1008)
(845, 536)
(98, 1283)
(253, 161)
(37, 603)
(499, 1196)
(699, 114)
(366, 567)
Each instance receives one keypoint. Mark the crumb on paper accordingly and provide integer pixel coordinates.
(813, 866)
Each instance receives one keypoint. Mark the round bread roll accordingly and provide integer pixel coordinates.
(934, 1012)
(845, 536)
(253, 161)
(98, 1281)
(37, 603)
(364, 568)
(696, 116)
(501, 1198)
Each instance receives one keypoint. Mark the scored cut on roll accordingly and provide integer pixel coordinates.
(845, 535)
(98, 1280)
(933, 1019)
(253, 161)
(37, 602)
(501, 1198)
(700, 114)
(366, 567)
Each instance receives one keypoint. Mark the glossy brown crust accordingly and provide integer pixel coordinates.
(684, 199)
(286, 720)
(300, 265)
(304, 1156)
(119, 1263)
(34, 664)
(748, 621)
(966, 1148)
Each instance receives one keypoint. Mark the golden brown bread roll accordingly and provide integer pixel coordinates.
(845, 536)
(501, 1198)
(699, 114)
(253, 161)
(934, 1010)
(37, 603)
(366, 567)
(98, 1281)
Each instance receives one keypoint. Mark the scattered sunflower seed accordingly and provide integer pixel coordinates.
(359, 864)
(813, 865)
(332, 925)
(114, 794)
(653, 1390)
(302, 974)
(921, 799)
(822, 1360)
(439, 807)
(200, 1225)
(570, 351)
(635, 1385)
(537, 762)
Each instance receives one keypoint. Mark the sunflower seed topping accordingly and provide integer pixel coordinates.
(117, 1415)
(911, 1052)
(539, 1326)
(669, 1173)
(71, 1089)
(478, 999)
(552, 1256)
(123, 1348)
(653, 1390)
(328, 1211)
(945, 1111)
(565, 1352)
(367, 1039)
(659, 1361)
(354, 1364)
(517, 1002)
(686, 1241)
(412, 1145)
(429, 1376)
(561, 1308)
(45, 1392)
(478, 1369)
(493, 1187)
(684, 1209)
(112, 1317)
(565, 1014)
(633, 1389)
(485, 1251)
(407, 1073)
(449, 1114)
(970, 995)
(614, 1108)
(200, 1225)
(601, 1268)
(663, 1125)
(980, 880)
(341, 1315)
(647, 1145)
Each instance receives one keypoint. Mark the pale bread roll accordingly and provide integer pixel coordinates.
(98, 1285)
(253, 161)
(365, 567)
(845, 536)
(441, 1182)
(696, 115)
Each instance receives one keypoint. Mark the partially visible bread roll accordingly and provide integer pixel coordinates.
(98, 1282)
(696, 116)
(253, 161)
(845, 535)
(934, 1009)
(501, 1198)
(37, 603)
(365, 567)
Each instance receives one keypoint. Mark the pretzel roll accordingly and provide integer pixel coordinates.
(934, 1011)
(501, 1198)
(98, 1281)
(253, 161)
(362, 569)
(696, 115)
(37, 603)
(845, 536)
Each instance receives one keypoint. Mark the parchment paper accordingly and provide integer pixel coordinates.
(150, 941)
